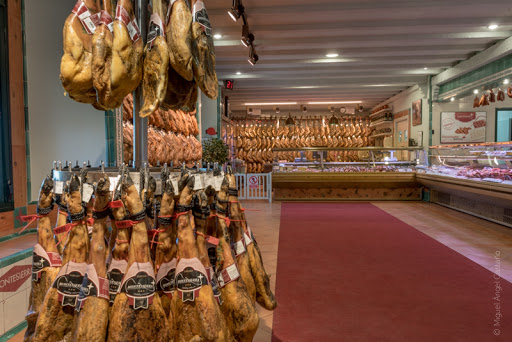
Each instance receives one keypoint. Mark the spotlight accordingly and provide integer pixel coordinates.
(247, 37)
(304, 109)
(452, 99)
(289, 120)
(217, 36)
(236, 10)
(276, 109)
(253, 57)
(492, 27)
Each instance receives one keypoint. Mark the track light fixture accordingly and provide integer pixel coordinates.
(253, 57)
(247, 36)
(289, 120)
(276, 109)
(236, 10)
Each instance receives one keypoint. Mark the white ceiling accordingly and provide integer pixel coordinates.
(383, 46)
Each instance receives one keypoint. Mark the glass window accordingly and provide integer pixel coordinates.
(504, 125)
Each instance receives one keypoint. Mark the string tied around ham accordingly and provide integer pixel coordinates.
(41, 212)
(154, 233)
(67, 228)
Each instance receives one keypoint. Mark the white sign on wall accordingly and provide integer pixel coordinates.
(463, 127)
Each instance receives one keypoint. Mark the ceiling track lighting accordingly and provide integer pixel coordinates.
(247, 36)
(253, 57)
(237, 10)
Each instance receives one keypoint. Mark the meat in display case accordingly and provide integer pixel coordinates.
(488, 162)
(362, 159)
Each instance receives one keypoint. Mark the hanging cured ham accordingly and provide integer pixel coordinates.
(203, 51)
(46, 259)
(194, 308)
(61, 299)
(76, 62)
(179, 38)
(264, 295)
(237, 307)
(93, 300)
(156, 62)
(137, 314)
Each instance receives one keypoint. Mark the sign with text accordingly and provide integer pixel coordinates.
(463, 127)
(254, 182)
(14, 278)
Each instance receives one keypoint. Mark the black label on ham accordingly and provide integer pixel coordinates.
(139, 287)
(201, 17)
(115, 277)
(38, 263)
(167, 283)
(189, 282)
(87, 289)
(215, 287)
(68, 286)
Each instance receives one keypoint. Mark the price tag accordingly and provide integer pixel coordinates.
(218, 182)
(158, 190)
(198, 182)
(58, 187)
(113, 182)
(88, 190)
(174, 181)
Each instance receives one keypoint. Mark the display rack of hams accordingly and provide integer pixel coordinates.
(104, 58)
(257, 138)
(166, 271)
(171, 136)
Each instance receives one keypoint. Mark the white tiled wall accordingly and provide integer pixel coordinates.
(13, 305)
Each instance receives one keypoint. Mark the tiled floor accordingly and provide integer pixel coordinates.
(474, 238)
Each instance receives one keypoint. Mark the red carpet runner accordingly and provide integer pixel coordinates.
(352, 272)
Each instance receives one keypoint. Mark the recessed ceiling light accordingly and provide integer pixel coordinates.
(217, 36)
(492, 27)
(269, 103)
(238, 73)
(425, 68)
(331, 55)
(452, 99)
(475, 91)
(334, 102)
(506, 81)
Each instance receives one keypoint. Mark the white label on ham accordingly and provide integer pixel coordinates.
(58, 187)
(42, 259)
(68, 282)
(115, 275)
(106, 19)
(158, 190)
(113, 182)
(228, 275)
(208, 181)
(198, 182)
(89, 21)
(174, 181)
(190, 277)
(136, 183)
(248, 236)
(165, 278)
(92, 286)
(139, 284)
(131, 25)
(239, 247)
(87, 192)
(218, 182)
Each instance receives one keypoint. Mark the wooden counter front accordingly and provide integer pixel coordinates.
(349, 186)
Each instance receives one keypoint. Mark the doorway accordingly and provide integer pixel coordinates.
(402, 136)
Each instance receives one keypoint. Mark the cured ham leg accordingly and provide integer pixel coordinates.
(46, 260)
(179, 39)
(75, 65)
(62, 217)
(92, 321)
(165, 254)
(156, 62)
(264, 295)
(195, 310)
(203, 52)
(56, 319)
(137, 314)
(127, 51)
(237, 306)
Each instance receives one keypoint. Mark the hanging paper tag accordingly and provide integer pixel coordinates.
(165, 278)
(68, 282)
(116, 204)
(190, 277)
(208, 181)
(248, 236)
(92, 286)
(155, 29)
(106, 19)
(139, 285)
(115, 275)
(228, 275)
(198, 182)
(201, 16)
(158, 190)
(89, 21)
(218, 182)
(113, 182)
(174, 181)
(125, 224)
(42, 259)
(239, 248)
(63, 229)
(58, 187)
(87, 192)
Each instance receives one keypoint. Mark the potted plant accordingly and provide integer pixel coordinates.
(215, 151)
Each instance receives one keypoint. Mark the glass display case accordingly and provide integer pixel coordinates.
(491, 162)
(362, 159)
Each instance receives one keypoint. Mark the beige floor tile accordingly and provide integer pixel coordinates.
(262, 335)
